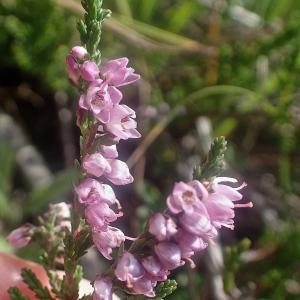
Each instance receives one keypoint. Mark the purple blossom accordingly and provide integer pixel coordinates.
(144, 286)
(91, 191)
(105, 241)
(95, 164)
(115, 72)
(129, 269)
(20, 237)
(154, 268)
(99, 215)
(162, 227)
(79, 52)
(89, 71)
(121, 123)
(169, 255)
(220, 202)
(109, 151)
(186, 197)
(119, 173)
(189, 243)
(73, 68)
(102, 288)
(198, 223)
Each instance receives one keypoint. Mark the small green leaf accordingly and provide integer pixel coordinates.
(15, 294)
(214, 163)
(165, 289)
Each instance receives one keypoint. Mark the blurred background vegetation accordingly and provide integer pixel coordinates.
(209, 68)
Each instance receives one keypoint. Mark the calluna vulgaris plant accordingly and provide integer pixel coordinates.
(194, 210)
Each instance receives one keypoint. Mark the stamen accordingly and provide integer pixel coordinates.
(249, 204)
(244, 184)
(130, 238)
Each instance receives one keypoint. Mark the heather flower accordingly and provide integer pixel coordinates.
(105, 241)
(162, 227)
(73, 68)
(154, 268)
(198, 223)
(109, 151)
(219, 203)
(20, 237)
(129, 269)
(186, 197)
(169, 255)
(89, 71)
(189, 243)
(121, 123)
(115, 72)
(119, 173)
(99, 215)
(95, 164)
(99, 100)
(144, 286)
(91, 191)
(102, 288)
(79, 52)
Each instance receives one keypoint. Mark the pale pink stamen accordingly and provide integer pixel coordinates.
(244, 184)
(249, 204)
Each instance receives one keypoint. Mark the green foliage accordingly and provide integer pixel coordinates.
(35, 285)
(30, 39)
(165, 289)
(15, 294)
(214, 163)
(90, 27)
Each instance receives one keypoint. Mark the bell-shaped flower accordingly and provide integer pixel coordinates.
(144, 286)
(198, 222)
(189, 243)
(91, 191)
(99, 215)
(102, 288)
(73, 68)
(121, 123)
(129, 269)
(186, 197)
(162, 227)
(116, 73)
(89, 70)
(155, 268)
(20, 237)
(119, 174)
(105, 241)
(99, 100)
(109, 151)
(169, 255)
(95, 164)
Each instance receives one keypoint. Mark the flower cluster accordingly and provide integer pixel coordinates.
(109, 121)
(195, 212)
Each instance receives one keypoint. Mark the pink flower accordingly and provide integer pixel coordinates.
(189, 243)
(73, 68)
(91, 191)
(89, 71)
(129, 269)
(105, 241)
(99, 215)
(79, 52)
(115, 72)
(95, 164)
(20, 237)
(162, 227)
(102, 288)
(100, 100)
(121, 123)
(155, 268)
(119, 173)
(186, 197)
(169, 255)
(109, 151)
(144, 286)
(220, 203)
(198, 223)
